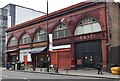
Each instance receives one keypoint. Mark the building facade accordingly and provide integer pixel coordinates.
(3, 25)
(89, 33)
(11, 15)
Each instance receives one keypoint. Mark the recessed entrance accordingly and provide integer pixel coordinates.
(87, 54)
(39, 60)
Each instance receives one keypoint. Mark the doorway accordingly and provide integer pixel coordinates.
(88, 60)
(87, 54)
(41, 60)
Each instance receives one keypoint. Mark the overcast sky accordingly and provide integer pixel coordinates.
(40, 5)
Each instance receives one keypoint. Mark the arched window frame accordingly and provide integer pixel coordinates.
(40, 36)
(87, 25)
(13, 42)
(61, 31)
(25, 39)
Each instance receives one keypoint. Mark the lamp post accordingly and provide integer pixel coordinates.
(48, 54)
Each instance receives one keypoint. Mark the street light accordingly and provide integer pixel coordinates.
(48, 54)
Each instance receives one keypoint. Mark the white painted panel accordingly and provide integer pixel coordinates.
(61, 46)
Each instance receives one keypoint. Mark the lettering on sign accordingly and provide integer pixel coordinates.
(86, 37)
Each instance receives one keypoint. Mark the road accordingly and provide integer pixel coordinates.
(27, 76)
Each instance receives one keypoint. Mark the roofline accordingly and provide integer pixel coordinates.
(50, 15)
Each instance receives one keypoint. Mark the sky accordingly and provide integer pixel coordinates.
(40, 5)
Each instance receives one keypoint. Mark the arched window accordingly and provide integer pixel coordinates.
(13, 42)
(41, 35)
(61, 31)
(25, 39)
(87, 25)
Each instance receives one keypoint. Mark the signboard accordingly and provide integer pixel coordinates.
(50, 42)
(79, 61)
(64, 21)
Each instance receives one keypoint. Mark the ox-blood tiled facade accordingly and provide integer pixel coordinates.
(81, 42)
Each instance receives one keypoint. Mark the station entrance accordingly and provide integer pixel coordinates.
(88, 53)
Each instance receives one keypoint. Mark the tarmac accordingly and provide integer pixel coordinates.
(81, 72)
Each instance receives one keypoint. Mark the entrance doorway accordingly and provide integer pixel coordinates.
(41, 60)
(88, 60)
(87, 54)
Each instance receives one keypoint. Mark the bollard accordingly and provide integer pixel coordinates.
(57, 70)
(67, 70)
(33, 68)
(40, 69)
(47, 69)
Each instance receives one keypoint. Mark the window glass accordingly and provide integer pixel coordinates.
(55, 34)
(13, 41)
(96, 27)
(67, 32)
(25, 39)
(36, 38)
(87, 25)
(41, 35)
(79, 30)
(61, 31)
(87, 28)
(45, 37)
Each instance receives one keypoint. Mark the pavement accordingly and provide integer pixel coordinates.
(81, 72)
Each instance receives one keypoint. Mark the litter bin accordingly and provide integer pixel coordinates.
(18, 65)
(8, 66)
(33, 67)
(110, 65)
(115, 70)
(22, 66)
(15, 65)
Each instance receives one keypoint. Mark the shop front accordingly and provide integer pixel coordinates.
(39, 57)
(61, 56)
(12, 58)
(25, 57)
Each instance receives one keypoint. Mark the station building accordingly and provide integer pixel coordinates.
(90, 33)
